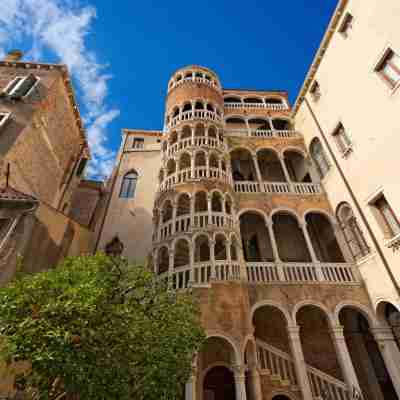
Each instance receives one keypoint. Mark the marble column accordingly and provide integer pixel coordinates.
(240, 382)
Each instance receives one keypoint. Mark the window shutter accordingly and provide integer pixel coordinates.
(24, 87)
(8, 89)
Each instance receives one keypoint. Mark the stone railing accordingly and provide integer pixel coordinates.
(187, 175)
(262, 133)
(301, 272)
(196, 79)
(277, 187)
(205, 115)
(202, 273)
(282, 365)
(197, 141)
(269, 106)
(199, 220)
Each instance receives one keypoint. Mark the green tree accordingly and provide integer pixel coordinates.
(98, 328)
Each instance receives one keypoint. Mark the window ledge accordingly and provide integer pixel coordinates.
(393, 243)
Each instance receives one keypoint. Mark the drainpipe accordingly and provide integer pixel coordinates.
(355, 201)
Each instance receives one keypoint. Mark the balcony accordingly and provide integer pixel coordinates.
(268, 106)
(202, 141)
(263, 133)
(202, 115)
(302, 273)
(294, 188)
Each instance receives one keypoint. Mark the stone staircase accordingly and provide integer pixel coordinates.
(278, 372)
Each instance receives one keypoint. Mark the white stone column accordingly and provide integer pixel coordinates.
(240, 382)
(191, 273)
(390, 354)
(255, 381)
(299, 363)
(248, 127)
(192, 130)
(257, 168)
(286, 173)
(209, 208)
(190, 387)
(171, 267)
(207, 165)
(310, 247)
(192, 165)
(344, 358)
(206, 134)
(212, 258)
(270, 227)
(192, 210)
(174, 212)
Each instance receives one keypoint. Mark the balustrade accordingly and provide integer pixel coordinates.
(187, 174)
(269, 272)
(262, 133)
(277, 187)
(269, 106)
(198, 141)
(195, 114)
(196, 79)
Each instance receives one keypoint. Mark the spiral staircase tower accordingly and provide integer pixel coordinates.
(195, 227)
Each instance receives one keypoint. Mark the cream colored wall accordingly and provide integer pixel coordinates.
(355, 95)
(131, 219)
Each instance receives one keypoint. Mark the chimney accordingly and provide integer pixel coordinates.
(13, 55)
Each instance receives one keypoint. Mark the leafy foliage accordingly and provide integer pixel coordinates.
(99, 328)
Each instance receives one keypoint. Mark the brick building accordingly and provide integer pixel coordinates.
(248, 202)
(43, 152)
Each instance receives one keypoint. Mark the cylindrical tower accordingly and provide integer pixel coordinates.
(196, 235)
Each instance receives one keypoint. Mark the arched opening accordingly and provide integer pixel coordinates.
(175, 112)
(223, 165)
(161, 175)
(184, 161)
(255, 237)
(182, 253)
(189, 75)
(231, 99)
(171, 166)
(281, 397)
(216, 202)
(281, 124)
(200, 202)
(202, 249)
(179, 78)
(315, 336)
(273, 100)
(199, 131)
(370, 368)
(219, 383)
(213, 161)
(217, 357)
(186, 132)
(292, 246)
(270, 166)
(167, 211)
(390, 315)
(198, 75)
(200, 159)
(207, 77)
(259, 124)
(319, 157)
(212, 132)
(351, 231)
(183, 205)
(234, 249)
(173, 137)
(235, 123)
(228, 204)
(242, 165)
(252, 100)
(323, 238)
(297, 166)
(163, 260)
(210, 107)
(220, 247)
(187, 107)
(199, 105)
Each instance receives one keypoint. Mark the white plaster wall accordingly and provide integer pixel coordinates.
(355, 95)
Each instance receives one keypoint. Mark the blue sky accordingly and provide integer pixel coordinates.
(121, 53)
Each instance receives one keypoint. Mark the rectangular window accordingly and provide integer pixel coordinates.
(342, 140)
(315, 91)
(138, 143)
(4, 117)
(21, 86)
(346, 25)
(389, 68)
(386, 217)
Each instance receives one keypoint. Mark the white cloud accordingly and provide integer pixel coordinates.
(61, 26)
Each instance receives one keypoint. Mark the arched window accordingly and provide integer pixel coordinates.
(128, 186)
(351, 231)
(319, 157)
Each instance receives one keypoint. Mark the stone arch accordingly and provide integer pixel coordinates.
(186, 132)
(251, 99)
(202, 247)
(217, 199)
(200, 158)
(182, 248)
(162, 257)
(199, 130)
(213, 160)
(271, 303)
(212, 131)
(171, 166)
(364, 310)
(185, 160)
(235, 346)
(331, 218)
(282, 395)
(201, 201)
(286, 210)
(183, 204)
(220, 246)
(262, 213)
(317, 304)
(166, 210)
